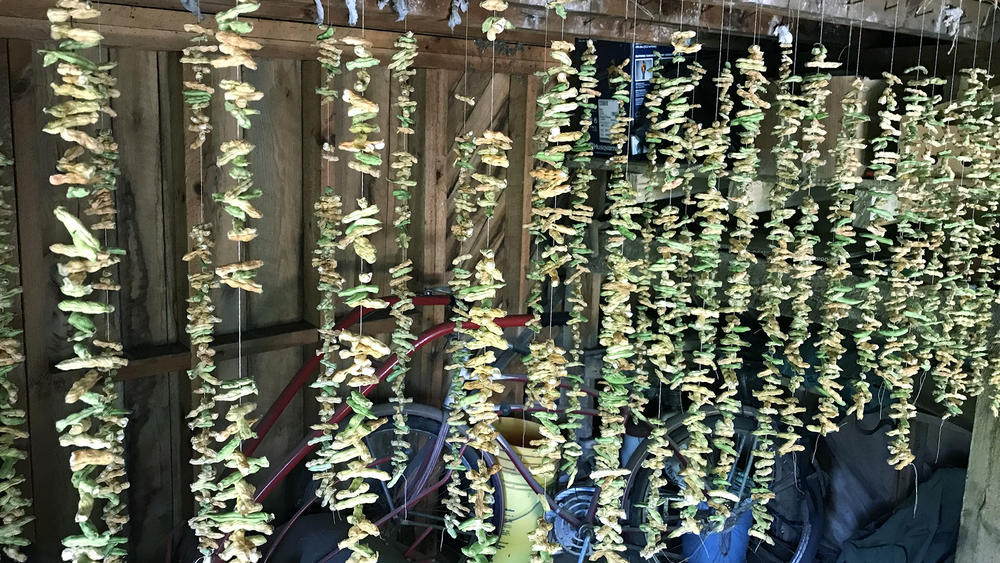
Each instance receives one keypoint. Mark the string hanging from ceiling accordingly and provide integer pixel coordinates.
(328, 211)
(244, 522)
(198, 94)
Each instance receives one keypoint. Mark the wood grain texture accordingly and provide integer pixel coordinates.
(44, 328)
(18, 376)
(146, 311)
(277, 134)
(150, 28)
(431, 229)
(978, 534)
(517, 240)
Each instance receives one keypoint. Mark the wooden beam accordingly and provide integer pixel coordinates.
(158, 360)
(978, 534)
(649, 21)
(162, 30)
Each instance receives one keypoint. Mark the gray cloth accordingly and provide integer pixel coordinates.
(929, 536)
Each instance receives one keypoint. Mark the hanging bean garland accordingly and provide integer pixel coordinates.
(201, 310)
(738, 287)
(837, 302)
(402, 166)
(923, 304)
(15, 505)
(328, 212)
(869, 294)
(88, 170)
(581, 177)
(616, 335)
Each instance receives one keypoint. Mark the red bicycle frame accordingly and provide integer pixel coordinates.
(309, 369)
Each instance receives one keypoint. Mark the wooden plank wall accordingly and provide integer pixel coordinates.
(164, 189)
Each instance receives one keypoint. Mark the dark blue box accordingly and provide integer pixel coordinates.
(642, 57)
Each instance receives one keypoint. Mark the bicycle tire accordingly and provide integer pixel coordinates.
(427, 419)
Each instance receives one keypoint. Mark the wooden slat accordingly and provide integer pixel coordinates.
(173, 164)
(313, 137)
(276, 166)
(145, 220)
(54, 498)
(161, 359)
(523, 92)
(654, 21)
(314, 132)
(148, 28)
(978, 536)
(431, 231)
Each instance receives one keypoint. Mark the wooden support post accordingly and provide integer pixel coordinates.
(978, 535)
(431, 233)
(517, 240)
(156, 437)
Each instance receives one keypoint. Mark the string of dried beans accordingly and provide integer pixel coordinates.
(14, 504)
(88, 170)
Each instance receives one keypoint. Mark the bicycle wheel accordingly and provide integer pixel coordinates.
(794, 528)
(420, 528)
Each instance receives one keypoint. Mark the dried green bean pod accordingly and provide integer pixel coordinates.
(15, 506)
(884, 161)
(328, 212)
(815, 90)
(201, 311)
(774, 401)
(616, 335)
(958, 239)
(984, 171)
(668, 146)
(899, 363)
(465, 207)
(738, 289)
(711, 214)
(197, 93)
(88, 169)
(693, 382)
(836, 302)
(365, 152)
(480, 410)
(546, 365)
(350, 457)
(496, 23)
(558, 6)
(202, 419)
(248, 529)
(581, 215)
(402, 168)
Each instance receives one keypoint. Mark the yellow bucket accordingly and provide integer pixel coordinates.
(523, 507)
